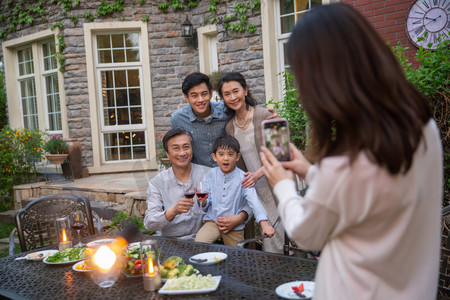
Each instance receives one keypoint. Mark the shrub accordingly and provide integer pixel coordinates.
(432, 78)
(289, 107)
(20, 149)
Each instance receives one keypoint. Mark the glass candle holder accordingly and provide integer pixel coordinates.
(150, 265)
(106, 265)
(63, 233)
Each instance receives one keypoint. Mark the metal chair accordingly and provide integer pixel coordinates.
(444, 269)
(36, 223)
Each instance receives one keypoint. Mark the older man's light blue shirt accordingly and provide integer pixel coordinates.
(164, 191)
(228, 197)
(204, 132)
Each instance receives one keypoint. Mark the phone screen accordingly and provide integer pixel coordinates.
(276, 136)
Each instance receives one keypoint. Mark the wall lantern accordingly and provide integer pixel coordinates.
(189, 33)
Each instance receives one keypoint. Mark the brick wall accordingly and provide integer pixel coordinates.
(388, 17)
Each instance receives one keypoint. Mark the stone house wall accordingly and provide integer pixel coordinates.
(171, 59)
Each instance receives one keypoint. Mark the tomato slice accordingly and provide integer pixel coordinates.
(299, 288)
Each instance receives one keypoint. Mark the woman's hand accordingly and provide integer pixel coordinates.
(251, 178)
(273, 169)
(298, 164)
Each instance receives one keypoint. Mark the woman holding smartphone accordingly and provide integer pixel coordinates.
(245, 126)
(374, 199)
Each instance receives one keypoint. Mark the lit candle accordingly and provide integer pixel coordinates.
(62, 226)
(152, 280)
(150, 261)
(105, 271)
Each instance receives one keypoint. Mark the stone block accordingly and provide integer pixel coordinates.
(99, 196)
(111, 197)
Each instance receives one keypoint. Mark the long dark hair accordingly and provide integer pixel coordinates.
(354, 90)
(238, 77)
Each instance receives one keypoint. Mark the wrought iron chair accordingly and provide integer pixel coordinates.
(444, 270)
(36, 225)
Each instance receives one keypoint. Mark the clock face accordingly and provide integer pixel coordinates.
(428, 19)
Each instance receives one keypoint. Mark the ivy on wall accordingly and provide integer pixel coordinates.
(24, 12)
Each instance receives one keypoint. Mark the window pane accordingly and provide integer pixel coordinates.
(110, 117)
(135, 96)
(120, 79)
(287, 24)
(108, 98)
(104, 56)
(118, 56)
(107, 79)
(125, 145)
(122, 116)
(117, 40)
(138, 152)
(286, 6)
(132, 55)
(121, 98)
(133, 78)
(103, 41)
(49, 51)
(29, 105)
(131, 40)
(136, 115)
(53, 103)
(25, 58)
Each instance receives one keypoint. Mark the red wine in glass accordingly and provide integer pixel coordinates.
(78, 226)
(201, 195)
(189, 195)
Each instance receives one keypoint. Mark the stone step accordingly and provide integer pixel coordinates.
(8, 216)
(106, 210)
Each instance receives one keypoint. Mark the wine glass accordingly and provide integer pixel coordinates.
(189, 193)
(78, 223)
(201, 194)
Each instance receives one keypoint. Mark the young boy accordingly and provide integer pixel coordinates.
(227, 196)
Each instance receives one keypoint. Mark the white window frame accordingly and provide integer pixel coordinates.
(11, 67)
(273, 46)
(98, 128)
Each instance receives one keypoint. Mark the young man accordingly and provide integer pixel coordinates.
(167, 205)
(226, 196)
(205, 120)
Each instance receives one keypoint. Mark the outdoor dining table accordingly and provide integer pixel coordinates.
(246, 274)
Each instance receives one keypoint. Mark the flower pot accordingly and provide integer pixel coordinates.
(165, 163)
(56, 158)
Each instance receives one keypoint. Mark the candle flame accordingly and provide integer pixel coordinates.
(104, 257)
(64, 236)
(151, 268)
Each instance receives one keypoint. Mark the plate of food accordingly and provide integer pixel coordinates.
(101, 242)
(208, 258)
(40, 255)
(296, 290)
(194, 284)
(82, 266)
(70, 255)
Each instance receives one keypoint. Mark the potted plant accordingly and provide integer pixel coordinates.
(56, 149)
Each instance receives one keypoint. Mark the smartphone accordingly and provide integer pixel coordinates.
(276, 137)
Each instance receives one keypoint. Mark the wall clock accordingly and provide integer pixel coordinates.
(431, 17)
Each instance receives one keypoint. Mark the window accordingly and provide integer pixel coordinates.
(118, 74)
(289, 12)
(119, 70)
(33, 83)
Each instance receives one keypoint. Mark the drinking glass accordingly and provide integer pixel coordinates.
(202, 194)
(189, 193)
(78, 223)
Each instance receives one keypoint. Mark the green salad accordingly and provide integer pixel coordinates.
(67, 255)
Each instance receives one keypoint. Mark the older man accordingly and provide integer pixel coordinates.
(168, 208)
